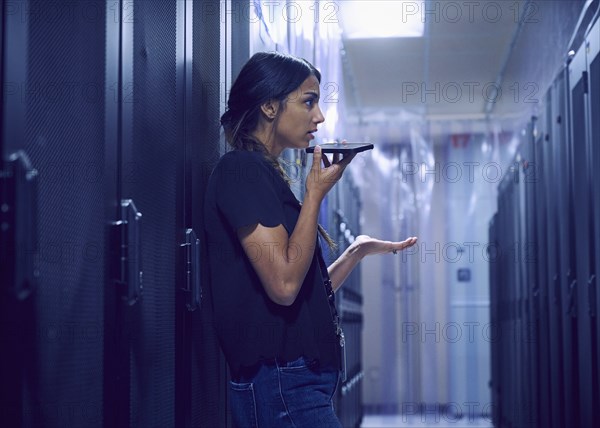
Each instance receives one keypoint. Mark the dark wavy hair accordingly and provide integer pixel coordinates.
(266, 76)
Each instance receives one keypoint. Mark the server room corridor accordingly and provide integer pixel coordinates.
(153, 153)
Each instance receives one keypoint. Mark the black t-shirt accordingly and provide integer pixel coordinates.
(246, 189)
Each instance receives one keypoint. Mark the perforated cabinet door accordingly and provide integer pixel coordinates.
(594, 103)
(567, 252)
(528, 303)
(57, 108)
(539, 256)
(209, 383)
(555, 315)
(579, 87)
(151, 165)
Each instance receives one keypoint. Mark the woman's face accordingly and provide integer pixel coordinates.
(300, 116)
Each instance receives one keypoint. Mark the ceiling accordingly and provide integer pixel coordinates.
(450, 73)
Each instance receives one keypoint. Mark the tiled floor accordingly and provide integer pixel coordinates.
(443, 421)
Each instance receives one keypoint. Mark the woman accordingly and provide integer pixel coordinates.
(272, 295)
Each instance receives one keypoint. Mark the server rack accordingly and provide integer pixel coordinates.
(56, 120)
(593, 48)
(540, 143)
(343, 208)
(579, 89)
(492, 255)
(110, 129)
(550, 185)
(19, 239)
(203, 384)
(527, 310)
(550, 206)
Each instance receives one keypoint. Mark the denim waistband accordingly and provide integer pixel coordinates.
(245, 373)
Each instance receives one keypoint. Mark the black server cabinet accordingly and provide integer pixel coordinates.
(537, 259)
(513, 395)
(579, 89)
(149, 155)
(594, 115)
(340, 214)
(19, 246)
(528, 298)
(171, 65)
(517, 398)
(110, 129)
(515, 303)
(53, 115)
(500, 284)
(567, 282)
(551, 158)
(549, 374)
(510, 332)
(208, 376)
(498, 303)
(505, 276)
(491, 252)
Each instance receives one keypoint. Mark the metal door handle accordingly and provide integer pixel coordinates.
(128, 253)
(19, 269)
(572, 299)
(592, 296)
(556, 288)
(191, 257)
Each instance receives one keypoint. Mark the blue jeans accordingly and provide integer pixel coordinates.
(293, 394)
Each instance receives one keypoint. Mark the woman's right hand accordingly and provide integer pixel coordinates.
(321, 180)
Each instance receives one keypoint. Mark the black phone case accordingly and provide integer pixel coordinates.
(342, 148)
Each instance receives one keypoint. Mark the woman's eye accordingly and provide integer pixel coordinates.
(310, 102)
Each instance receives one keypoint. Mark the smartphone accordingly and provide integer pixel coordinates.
(342, 148)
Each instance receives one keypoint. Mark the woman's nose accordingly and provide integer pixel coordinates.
(319, 118)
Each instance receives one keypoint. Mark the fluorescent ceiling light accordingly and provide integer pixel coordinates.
(367, 19)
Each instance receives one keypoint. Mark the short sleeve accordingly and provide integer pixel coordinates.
(248, 191)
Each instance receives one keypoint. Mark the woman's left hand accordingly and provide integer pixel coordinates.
(367, 245)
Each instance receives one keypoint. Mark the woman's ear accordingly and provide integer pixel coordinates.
(270, 108)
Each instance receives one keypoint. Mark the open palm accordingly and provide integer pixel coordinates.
(370, 245)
